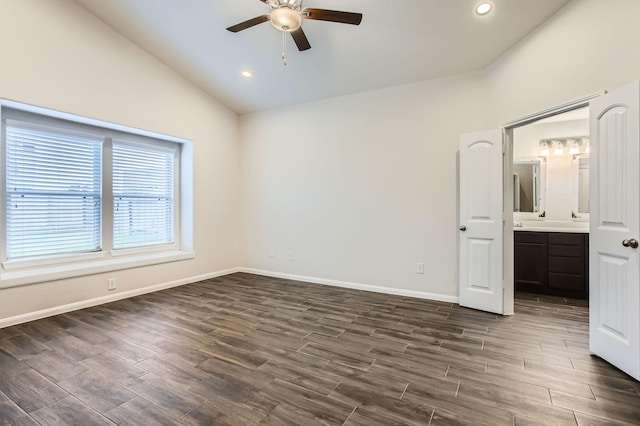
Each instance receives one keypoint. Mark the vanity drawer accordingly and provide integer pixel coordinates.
(530, 237)
(566, 265)
(567, 239)
(573, 283)
(566, 251)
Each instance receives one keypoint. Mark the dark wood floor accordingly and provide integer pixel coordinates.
(244, 349)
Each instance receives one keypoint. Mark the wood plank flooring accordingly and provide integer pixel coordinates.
(244, 349)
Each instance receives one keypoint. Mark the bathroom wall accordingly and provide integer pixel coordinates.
(559, 183)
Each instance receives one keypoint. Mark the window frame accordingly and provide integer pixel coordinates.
(15, 272)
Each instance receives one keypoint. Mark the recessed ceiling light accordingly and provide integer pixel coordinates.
(484, 8)
(247, 74)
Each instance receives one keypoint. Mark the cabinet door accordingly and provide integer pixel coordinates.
(530, 262)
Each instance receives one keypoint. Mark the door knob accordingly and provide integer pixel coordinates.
(464, 228)
(633, 243)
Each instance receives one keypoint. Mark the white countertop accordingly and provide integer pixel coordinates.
(550, 229)
(553, 226)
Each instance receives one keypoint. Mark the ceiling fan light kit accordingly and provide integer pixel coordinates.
(287, 15)
(286, 19)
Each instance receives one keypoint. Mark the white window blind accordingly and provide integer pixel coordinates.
(143, 195)
(53, 191)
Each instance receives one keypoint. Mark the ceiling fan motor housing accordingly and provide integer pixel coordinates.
(293, 4)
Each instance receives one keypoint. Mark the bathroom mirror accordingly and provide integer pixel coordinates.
(526, 186)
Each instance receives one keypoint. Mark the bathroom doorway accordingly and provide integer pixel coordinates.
(551, 205)
(537, 139)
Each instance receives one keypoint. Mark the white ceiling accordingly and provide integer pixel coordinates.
(398, 42)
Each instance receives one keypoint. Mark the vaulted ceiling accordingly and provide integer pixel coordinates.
(398, 42)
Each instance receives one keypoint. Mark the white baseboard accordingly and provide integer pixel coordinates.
(355, 286)
(56, 310)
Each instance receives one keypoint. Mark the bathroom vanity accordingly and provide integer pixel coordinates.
(551, 206)
(552, 260)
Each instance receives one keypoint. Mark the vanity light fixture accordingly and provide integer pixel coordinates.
(577, 146)
(484, 8)
(544, 149)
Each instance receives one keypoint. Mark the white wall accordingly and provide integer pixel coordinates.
(587, 47)
(57, 55)
(360, 187)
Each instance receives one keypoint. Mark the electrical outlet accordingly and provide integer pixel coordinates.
(290, 255)
(112, 284)
(420, 268)
(272, 253)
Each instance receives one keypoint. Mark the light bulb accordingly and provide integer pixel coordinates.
(575, 149)
(544, 149)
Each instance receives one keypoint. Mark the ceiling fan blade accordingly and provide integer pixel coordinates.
(301, 39)
(333, 16)
(248, 24)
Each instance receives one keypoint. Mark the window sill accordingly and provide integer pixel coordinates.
(15, 278)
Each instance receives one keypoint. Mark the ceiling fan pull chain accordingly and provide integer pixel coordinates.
(284, 48)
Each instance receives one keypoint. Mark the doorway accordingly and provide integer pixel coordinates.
(551, 144)
(551, 205)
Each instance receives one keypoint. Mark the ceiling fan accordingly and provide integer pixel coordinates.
(287, 15)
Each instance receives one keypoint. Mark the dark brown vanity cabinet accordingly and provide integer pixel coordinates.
(554, 263)
(530, 261)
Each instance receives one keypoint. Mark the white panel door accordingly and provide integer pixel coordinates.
(481, 252)
(614, 281)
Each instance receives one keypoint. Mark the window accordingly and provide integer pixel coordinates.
(143, 195)
(88, 195)
(53, 191)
